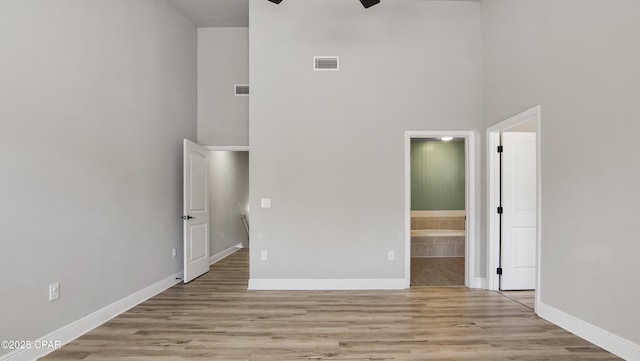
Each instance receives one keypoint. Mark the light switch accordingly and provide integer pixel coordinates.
(266, 202)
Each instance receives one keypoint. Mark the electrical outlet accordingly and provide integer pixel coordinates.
(174, 253)
(54, 291)
(265, 202)
(263, 255)
(391, 256)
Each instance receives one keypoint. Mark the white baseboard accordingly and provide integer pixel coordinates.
(78, 328)
(615, 344)
(70, 332)
(227, 252)
(328, 284)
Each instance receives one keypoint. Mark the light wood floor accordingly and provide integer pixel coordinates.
(526, 298)
(216, 318)
(437, 271)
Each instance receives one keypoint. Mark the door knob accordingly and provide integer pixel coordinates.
(187, 217)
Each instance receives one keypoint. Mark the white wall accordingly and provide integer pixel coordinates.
(95, 99)
(579, 60)
(223, 60)
(328, 147)
(228, 197)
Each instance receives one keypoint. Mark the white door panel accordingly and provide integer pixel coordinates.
(519, 211)
(198, 249)
(196, 211)
(524, 245)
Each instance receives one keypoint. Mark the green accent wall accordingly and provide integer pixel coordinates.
(437, 175)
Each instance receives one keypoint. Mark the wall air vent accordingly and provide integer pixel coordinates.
(325, 63)
(242, 90)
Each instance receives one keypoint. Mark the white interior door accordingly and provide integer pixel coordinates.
(519, 211)
(196, 211)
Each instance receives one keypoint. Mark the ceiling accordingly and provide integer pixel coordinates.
(214, 13)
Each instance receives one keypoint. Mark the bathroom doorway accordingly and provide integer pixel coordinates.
(440, 208)
(438, 212)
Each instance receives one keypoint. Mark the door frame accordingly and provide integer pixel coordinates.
(493, 190)
(229, 148)
(470, 279)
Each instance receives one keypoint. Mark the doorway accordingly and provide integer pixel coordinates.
(228, 193)
(215, 205)
(426, 222)
(438, 211)
(513, 161)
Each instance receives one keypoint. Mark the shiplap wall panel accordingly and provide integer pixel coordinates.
(437, 175)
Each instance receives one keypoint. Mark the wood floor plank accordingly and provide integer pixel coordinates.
(216, 318)
(526, 298)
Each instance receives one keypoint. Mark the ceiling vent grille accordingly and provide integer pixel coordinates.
(325, 63)
(242, 90)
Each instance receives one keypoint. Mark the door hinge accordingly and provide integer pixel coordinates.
(500, 210)
(499, 270)
(500, 149)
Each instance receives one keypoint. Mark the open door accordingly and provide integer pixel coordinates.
(518, 247)
(196, 211)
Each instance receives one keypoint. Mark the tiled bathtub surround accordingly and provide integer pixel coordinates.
(422, 222)
(437, 246)
(437, 233)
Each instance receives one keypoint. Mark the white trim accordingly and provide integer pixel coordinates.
(229, 148)
(493, 188)
(522, 117)
(438, 213)
(615, 344)
(538, 293)
(328, 284)
(480, 282)
(227, 252)
(493, 225)
(437, 233)
(470, 201)
(77, 328)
